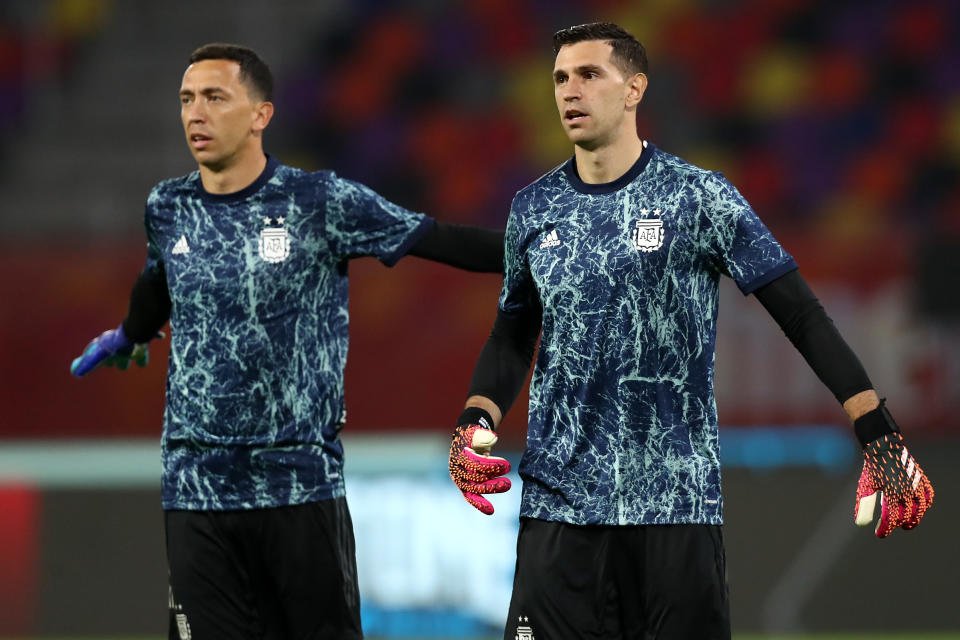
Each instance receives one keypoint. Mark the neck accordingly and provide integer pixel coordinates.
(606, 163)
(233, 176)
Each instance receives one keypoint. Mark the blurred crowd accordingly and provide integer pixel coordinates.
(839, 121)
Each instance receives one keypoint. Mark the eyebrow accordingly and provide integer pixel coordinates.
(205, 91)
(582, 69)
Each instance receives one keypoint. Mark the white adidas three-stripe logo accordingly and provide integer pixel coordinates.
(912, 470)
(181, 246)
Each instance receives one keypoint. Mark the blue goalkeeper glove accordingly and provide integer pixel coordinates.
(113, 349)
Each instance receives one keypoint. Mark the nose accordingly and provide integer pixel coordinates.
(193, 112)
(570, 90)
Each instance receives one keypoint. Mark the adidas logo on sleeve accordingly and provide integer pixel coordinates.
(181, 246)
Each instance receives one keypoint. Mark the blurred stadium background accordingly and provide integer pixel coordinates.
(839, 121)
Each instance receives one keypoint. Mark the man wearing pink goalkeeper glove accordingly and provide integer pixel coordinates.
(472, 468)
(890, 473)
(613, 260)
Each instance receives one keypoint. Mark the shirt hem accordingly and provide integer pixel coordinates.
(326, 493)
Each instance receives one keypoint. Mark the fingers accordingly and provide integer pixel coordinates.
(92, 357)
(487, 465)
(863, 512)
(140, 355)
(921, 499)
(473, 470)
(472, 493)
(75, 367)
(483, 440)
(109, 349)
(478, 502)
(904, 513)
(494, 485)
(467, 472)
(866, 503)
(890, 517)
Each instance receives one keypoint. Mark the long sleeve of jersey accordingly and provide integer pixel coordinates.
(149, 305)
(505, 358)
(464, 247)
(790, 302)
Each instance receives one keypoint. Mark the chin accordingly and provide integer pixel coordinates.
(581, 138)
(575, 135)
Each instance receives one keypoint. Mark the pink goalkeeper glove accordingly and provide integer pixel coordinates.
(890, 472)
(472, 468)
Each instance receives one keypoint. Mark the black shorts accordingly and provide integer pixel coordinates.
(618, 583)
(265, 574)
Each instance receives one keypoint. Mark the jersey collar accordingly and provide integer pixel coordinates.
(244, 193)
(570, 168)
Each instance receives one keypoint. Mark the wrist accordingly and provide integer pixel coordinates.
(874, 424)
(476, 415)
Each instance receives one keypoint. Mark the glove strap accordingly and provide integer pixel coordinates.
(476, 415)
(874, 424)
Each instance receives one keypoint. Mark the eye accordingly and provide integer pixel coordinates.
(216, 98)
(184, 99)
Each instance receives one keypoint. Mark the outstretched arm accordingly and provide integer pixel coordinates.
(497, 380)
(888, 468)
(464, 247)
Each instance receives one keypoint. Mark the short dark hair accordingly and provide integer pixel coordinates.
(628, 54)
(253, 70)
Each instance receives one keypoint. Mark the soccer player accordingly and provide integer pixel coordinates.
(247, 258)
(616, 255)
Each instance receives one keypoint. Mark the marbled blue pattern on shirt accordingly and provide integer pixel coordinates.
(255, 399)
(622, 419)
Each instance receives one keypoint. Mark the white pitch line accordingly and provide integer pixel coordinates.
(811, 566)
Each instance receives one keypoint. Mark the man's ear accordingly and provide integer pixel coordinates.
(263, 113)
(636, 87)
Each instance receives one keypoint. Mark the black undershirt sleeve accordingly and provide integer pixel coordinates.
(149, 305)
(461, 246)
(801, 316)
(505, 358)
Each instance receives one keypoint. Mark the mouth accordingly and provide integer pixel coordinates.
(199, 141)
(573, 116)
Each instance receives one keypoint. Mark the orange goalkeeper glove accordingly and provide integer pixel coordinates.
(472, 468)
(890, 472)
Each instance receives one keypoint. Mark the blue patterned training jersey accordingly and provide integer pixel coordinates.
(622, 420)
(258, 291)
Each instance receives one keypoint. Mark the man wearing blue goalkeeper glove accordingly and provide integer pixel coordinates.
(616, 257)
(111, 348)
(247, 258)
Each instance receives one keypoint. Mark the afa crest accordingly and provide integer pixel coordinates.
(274, 244)
(648, 234)
(524, 631)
